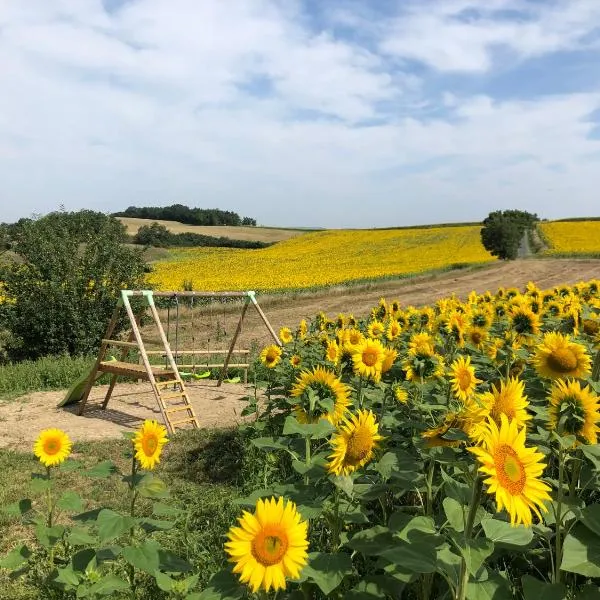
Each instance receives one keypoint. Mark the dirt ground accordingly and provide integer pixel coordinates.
(21, 419)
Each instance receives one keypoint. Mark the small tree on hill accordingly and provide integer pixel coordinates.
(502, 232)
(155, 234)
(65, 282)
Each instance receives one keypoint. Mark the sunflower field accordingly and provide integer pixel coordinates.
(442, 452)
(321, 259)
(448, 451)
(572, 237)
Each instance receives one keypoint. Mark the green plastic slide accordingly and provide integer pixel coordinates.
(76, 390)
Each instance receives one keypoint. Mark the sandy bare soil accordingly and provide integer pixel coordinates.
(21, 419)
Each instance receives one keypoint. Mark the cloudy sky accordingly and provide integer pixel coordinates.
(338, 113)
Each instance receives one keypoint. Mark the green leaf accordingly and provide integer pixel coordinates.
(111, 524)
(151, 486)
(171, 563)
(81, 560)
(150, 525)
(18, 509)
(67, 576)
(386, 465)
(588, 592)
(503, 533)
(49, 536)
(70, 465)
(590, 517)
(88, 516)
(315, 431)
(344, 483)
(371, 542)
(475, 552)
(165, 510)
(534, 589)
(418, 557)
(70, 501)
(271, 443)
(449, 563)
(494, 588)
(581, 552)
(327, 570)
(102, 470)
(80, 536)
(164, 582)
(40, 483)
(108, 585)
(15, 558)
(144, 558)
(455, 513)
(223, 585)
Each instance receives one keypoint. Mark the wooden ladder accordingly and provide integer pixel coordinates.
(168, 387)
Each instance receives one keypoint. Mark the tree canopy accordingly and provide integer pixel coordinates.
(502, 232)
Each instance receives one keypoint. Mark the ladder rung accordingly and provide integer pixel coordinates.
(172, 396)
(178, 409)
(188, 420)
(168, 383)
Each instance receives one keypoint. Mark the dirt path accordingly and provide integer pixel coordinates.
(22, 419)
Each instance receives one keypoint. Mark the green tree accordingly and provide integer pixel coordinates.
(66, 281)
(502, 232)
(153, 235)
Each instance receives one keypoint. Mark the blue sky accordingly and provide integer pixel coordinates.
(338, 113)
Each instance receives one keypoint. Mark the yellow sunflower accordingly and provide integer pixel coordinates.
(52, 447)
(524, 321)
(556, 357)
(302, 329)
(332, 352)
(389, 356)
(393, 330)
(477, 336)
(295, 361)
(574, 410)
(508, 399)
(352, 338)
(367, 359)
(269, 545)
(435, 436)
(463, 377)
(327, 387)
(270, 356)
(285, 335)
(513, 471)
(148, 443)
(421, 343)
(376, 329)
(354, 442)
(400, 394)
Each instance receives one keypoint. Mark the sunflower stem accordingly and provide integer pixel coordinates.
(133, 492)
(306, 457)
(558, 516)
(473, 506)
(49, 498)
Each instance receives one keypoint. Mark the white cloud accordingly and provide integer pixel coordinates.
(150, 104)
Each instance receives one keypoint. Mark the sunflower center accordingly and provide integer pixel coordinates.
(358, 446)
(370, 357)
(51, 446)
(510, 470)
(270, 545)
(476, 337)
(149, 444)
(271, 356)
(523, 324)
(464, 380)
(562, 360)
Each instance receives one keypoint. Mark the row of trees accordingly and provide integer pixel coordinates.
(503, 231)
(159, 236)
(187, 215)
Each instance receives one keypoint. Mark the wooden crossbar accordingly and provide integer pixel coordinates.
(198, 352)
(132, 370)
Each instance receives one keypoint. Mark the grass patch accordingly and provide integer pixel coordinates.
(43, 374)
(204, 470)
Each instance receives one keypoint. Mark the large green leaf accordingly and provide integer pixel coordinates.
(107, 586)
(80, 536)
(102, 470)
(371, 542)
(581, 552)
(18, 509)
(455, 513)
(419, 557)
(15, 558)
(588, 592)
(49, 536)
(503, 533)
(327, 570)
(590, 517)
(70, 501)
(534, 589)
(475, 551)
(315, 431)
(67, 577)
(111, 524)
(449, 563)
(144, 558)
(223, 585)
(344, 483)
(150, 486)
(171, 563)
(494, 588)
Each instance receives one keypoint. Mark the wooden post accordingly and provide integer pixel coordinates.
(264, 318)
(238, 330)
(101, 352)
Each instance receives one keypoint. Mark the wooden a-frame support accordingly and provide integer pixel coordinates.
(161, 379)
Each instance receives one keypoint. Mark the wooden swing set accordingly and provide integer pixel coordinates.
(167, 383)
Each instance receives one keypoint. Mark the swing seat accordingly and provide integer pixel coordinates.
(202, 375)
(232, 380)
